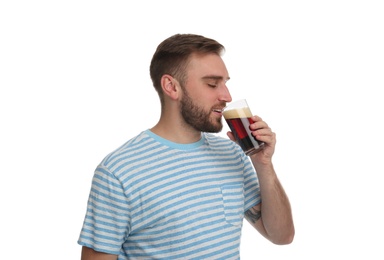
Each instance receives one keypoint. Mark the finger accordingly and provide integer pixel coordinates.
(231, 136)
(265, 135)
(256, 118)
(259, 125)
(263, 132)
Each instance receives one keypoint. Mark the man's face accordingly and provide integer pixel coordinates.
(205, 93)
(198, 117)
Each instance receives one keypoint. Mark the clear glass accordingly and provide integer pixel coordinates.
(238, 117)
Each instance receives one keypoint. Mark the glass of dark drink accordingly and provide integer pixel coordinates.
(238, 117)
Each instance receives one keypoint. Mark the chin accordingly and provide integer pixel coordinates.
(214, 129)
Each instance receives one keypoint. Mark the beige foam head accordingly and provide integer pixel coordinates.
(237, 113)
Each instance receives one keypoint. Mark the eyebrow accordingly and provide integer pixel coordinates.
(216, 78)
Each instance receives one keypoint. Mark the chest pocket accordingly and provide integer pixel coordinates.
(233, 201)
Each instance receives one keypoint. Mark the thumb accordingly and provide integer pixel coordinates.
(231, 136)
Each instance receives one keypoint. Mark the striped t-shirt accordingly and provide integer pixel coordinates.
(155, 199)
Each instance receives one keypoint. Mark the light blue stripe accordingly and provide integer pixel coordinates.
(97, 236)
(214, 253)
(181, 226)
(93, 241)
(187, 238)
(112, 226)
(209, 182)
(91, 213)
(128, 147)
(106, 186)
(187, 207)
(172, 165)
(132, 158)
(108, 204)
(85, 242)
(193, 244)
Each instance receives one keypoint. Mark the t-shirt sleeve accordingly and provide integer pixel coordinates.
(107, 220)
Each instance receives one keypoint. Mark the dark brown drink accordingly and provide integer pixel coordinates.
(238, 121)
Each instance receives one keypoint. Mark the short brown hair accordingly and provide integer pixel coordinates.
(172, 56)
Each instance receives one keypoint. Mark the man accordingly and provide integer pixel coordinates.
(177, 191)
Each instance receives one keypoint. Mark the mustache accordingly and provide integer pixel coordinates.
(220, 107)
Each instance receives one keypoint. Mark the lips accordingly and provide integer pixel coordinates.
(218, 110)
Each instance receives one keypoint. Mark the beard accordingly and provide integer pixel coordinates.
(197, 117)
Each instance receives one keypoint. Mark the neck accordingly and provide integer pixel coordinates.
(174, 129)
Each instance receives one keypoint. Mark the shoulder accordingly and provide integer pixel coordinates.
(220, 142)
(138, 143)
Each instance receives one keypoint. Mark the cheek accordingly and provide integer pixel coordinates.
(202, 94)
(206, 95)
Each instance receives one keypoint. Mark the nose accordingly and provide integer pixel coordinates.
(225, 95)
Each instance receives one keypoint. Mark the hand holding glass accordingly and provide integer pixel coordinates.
(238, 117)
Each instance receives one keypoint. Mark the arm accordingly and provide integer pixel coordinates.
(273, 216)
(106, 196)
(90, 254)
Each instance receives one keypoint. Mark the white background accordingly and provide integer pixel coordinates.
(75, 84)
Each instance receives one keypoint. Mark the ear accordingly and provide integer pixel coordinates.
(170, 86)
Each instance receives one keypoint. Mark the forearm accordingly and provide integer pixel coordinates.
(276, 214)
(90, 254)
